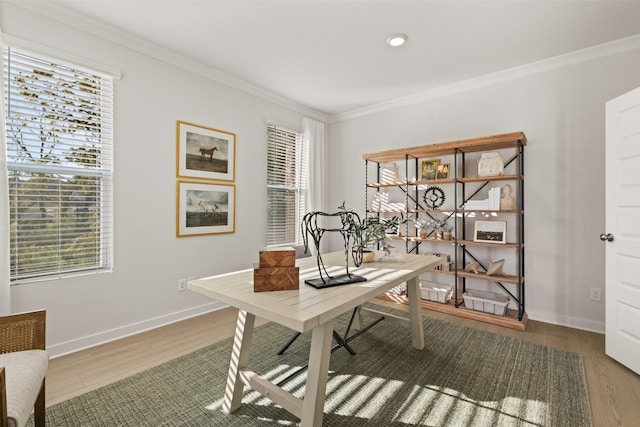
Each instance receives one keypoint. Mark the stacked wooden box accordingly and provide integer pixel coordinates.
(276, 270)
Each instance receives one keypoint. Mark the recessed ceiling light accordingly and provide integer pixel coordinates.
(397, 40)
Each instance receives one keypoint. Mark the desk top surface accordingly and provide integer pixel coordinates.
(306, 308)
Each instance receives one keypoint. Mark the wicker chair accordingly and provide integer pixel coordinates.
(23, 366)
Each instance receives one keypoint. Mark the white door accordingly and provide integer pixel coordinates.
(622, 234)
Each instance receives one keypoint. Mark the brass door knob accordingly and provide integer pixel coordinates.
(606, 237)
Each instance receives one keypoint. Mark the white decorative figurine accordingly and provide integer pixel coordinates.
(490, 164)
(507, 202)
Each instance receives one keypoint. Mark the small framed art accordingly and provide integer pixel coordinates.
(430, 169)
(204, 208)
(442, 172)
(204, 152)
(490, 232)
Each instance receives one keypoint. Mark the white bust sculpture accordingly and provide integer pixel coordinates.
(507, 202)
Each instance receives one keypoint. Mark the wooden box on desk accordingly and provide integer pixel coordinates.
(276, 279)
(276, 271)
(278, 257)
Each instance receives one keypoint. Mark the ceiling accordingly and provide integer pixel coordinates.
(331, 55)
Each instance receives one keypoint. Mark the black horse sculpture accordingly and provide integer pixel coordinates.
(350, 227)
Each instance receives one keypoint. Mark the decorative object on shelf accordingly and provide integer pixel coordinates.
(507, 202)
(442, 172)
(380, 201)
(422, 226)
(495, 268)
(472, 267)
(490, 164)
(487, 302)
(430, 169)
(436, 292)
(205, 152)
(434, 197)
(204, 208)
(440, 226)
(350, 229)
(490, 232)
(390, 173)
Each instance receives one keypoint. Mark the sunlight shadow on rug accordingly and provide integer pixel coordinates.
(369, 398)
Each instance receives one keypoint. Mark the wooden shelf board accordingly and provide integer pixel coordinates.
(387, 184)
(485, 143)
(431, 182)
(510, 320)
(489, 178)
(513, 280)
(466, 211)
(488, 245)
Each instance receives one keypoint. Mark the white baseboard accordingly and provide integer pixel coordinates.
(571, 322)
(72, 346)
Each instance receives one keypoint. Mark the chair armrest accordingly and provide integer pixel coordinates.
(3, 399)
(23, 331)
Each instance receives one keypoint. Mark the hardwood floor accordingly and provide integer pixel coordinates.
(614, 391)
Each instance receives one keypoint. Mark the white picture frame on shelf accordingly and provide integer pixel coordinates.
(490, 232)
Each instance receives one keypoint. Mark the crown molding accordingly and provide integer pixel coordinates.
(58, 12)
(579, 56)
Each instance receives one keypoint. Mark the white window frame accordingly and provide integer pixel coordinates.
(96, 168)
(288, 148)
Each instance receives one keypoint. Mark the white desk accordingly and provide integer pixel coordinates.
(307, 309)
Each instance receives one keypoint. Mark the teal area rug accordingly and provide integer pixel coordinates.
(464, 377)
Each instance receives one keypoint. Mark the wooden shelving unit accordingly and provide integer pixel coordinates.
(463, 243)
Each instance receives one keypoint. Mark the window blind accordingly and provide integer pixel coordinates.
(287, 166)
(59, 121)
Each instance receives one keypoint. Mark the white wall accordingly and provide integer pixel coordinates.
(148, 258)
(559, 104)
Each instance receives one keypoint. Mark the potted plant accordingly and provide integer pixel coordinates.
(373, 232)
(422, 225)
(441, 227)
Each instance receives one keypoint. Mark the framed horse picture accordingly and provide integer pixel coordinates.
(204, 208)
(205, 153)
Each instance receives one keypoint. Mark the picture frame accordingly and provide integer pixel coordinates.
(204, 152)
(429, 169)
(490, 232)
(442, 171)
(204, 208)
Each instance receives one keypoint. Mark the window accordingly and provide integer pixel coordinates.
(287, 165)
(59, 156)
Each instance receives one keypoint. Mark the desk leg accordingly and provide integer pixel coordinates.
(316, 388)
(239, 360)
(417, 330)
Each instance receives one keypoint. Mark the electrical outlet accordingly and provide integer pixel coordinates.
(595, 294)
(182, 285)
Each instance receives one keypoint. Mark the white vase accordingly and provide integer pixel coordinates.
(490, 164)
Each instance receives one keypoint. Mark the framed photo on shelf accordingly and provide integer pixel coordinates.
(442, 171)
(430, 169)
(204, 208)
(490, 232)
(205, 153)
